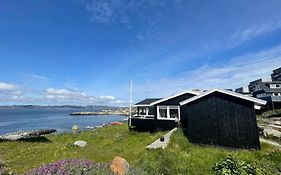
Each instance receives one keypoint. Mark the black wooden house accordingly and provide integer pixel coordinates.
(223, 118)
(159, 113)
(217, 117)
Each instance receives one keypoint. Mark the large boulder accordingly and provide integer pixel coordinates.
(269, 131)
(119, 166)
(80, 143)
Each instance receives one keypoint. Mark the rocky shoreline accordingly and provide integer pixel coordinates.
(100, 113)
(26, 134)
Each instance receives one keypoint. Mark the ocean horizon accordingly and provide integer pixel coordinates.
(13, 120)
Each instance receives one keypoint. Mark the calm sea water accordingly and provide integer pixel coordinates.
(29, 119)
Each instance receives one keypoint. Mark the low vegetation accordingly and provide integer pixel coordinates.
(181, 157)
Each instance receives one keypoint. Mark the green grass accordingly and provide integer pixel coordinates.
(104, 144)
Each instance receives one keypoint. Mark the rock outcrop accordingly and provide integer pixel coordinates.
(119, 166)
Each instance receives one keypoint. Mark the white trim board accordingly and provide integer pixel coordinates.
(255, 100)
(146, 105)
(173, 96)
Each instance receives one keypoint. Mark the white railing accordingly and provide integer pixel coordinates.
(276, 98)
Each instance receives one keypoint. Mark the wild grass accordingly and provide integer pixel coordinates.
(181, 157)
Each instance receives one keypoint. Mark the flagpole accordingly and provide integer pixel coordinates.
(130, 110)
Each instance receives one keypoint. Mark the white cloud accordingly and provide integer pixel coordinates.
(7, 86)
(107, 97)
(52, 96)
(236, 72)
(64, 94)
(105, 11)
(35, 76)
(71, 96)
(250, 32)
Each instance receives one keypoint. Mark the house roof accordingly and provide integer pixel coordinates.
(267, 89)
(173, 96)
(234, 94)
(147, 102)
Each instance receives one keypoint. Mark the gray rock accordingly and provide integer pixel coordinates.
(277, 123)
(80, 143)
(26, 134)
(273, 132)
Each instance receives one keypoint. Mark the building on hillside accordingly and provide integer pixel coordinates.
(243, 90)
(269, 91)
(276, 75)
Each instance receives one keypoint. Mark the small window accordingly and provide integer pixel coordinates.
(150, 111)
(163, 112)
(174, 113)
(142, 111)
(278, 85)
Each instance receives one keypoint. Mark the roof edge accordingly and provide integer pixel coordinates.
(173, 96)
(255, 100)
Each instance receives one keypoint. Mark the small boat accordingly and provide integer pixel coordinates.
(116, 123)
(90, 127)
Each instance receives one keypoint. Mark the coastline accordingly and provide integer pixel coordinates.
(82, 113)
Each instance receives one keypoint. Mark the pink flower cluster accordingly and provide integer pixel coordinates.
(63, 167)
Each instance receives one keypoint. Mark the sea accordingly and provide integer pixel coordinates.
(13, 120)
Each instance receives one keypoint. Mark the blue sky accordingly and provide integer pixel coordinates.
(85, 52)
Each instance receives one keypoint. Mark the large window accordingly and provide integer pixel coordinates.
(168, 112)
(145, 111)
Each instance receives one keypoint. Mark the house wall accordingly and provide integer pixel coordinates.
(220, 119)
(152, 124)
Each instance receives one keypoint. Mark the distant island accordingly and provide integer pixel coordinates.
(59, 107)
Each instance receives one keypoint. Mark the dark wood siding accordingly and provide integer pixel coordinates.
(220, 119)
(151, 124)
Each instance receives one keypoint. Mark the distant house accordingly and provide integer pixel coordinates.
(217, 117)
(269, 91)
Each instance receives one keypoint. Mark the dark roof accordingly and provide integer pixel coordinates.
(277, 70)
(147, 101)
(234, 94)
(267, 89)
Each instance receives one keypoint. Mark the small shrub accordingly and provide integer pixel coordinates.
(233, 166)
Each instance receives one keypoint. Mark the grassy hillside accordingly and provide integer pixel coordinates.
(104, 144)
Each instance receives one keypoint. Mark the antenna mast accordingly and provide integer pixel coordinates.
(130, 110)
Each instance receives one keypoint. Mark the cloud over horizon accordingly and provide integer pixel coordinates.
(233, 73)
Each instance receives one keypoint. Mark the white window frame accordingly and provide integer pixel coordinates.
(144, 115)
(168, 112)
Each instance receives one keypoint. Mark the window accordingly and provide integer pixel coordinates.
(150, 111)
(142, 111)
(168, 112)
(174, 113)
(163, 112)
